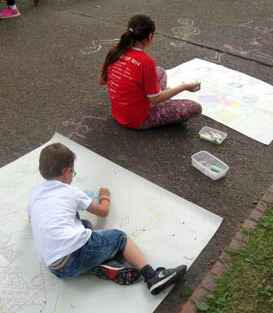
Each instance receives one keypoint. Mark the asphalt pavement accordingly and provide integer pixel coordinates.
(49, 60)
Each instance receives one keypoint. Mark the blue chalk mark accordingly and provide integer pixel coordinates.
(93, 195)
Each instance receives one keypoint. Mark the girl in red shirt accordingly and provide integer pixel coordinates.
(137, 88)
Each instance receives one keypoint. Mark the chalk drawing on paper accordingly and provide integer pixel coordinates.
(250, 98)
(125, 221)
(235, 85)
(205, 69)
(230, 97)
(8, 254)
(96, 46)
(19, 287)
(19, 291)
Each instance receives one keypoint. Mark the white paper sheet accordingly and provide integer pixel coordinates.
(234, 99)
(168, 229)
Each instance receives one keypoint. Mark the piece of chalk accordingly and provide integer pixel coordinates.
(218, 136)
(197, 87)
(215, 168)
(207, 137)
(210, 138)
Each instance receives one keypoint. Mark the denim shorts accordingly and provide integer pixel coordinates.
(101, 246)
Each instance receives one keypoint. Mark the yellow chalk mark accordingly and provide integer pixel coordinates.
(226, 116)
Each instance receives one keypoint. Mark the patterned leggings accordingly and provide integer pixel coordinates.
(170, 111)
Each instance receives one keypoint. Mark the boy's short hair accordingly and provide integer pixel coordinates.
(54, 159)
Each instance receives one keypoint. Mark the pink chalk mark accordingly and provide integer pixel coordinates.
(238, 50)
(81, 127)
(227, 102)
(264, 55)
(260, 29)
(255, 42)
(208, 98)
(246, 24)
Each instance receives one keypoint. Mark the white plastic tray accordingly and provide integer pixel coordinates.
(208, 164)
(213, 135)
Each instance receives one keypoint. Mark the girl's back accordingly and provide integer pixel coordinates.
(130, 79)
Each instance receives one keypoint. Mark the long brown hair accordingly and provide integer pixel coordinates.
(140, 26)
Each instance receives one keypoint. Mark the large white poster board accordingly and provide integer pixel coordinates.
(234, 99)
(167, 228)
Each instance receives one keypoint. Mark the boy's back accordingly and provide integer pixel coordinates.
(57, 231)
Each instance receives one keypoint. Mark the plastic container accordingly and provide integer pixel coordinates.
(209, 165)
(213, 135)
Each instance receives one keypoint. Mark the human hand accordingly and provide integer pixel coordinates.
(192, 87)
(101, 209)
(104, 194)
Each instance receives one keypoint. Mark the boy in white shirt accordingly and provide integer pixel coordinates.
(69, 246)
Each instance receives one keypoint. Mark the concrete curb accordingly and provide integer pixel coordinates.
(208, 283)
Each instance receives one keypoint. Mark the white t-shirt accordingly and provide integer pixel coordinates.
(56, 230)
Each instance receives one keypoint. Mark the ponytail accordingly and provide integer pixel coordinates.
(139, 28)
(125, 43)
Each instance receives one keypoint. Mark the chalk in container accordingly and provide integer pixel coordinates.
(209, 165)
(216, 169)
(213, 135)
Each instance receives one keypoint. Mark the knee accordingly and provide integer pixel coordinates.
(199, 108)
(196, 108)
(160, 69)
(160, 72)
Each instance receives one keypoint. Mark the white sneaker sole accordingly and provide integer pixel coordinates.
(5, 18)
(162, 282)
(112, 268)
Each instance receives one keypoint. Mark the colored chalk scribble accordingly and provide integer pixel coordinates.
(229, 97)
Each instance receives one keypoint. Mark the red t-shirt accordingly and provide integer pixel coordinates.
(132, 79)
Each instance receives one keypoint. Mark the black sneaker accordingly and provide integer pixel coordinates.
(120, 272)
(163, 278)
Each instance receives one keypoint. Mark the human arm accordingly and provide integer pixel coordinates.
(169, 93)
(101, 209)
(101, 80)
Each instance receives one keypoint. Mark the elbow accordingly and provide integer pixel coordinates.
(154, 100)
(101, 81)
(106, 214)
(105, 211)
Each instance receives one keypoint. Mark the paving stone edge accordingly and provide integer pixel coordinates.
(208, 283)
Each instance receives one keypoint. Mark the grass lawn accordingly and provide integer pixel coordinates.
(247, 284)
